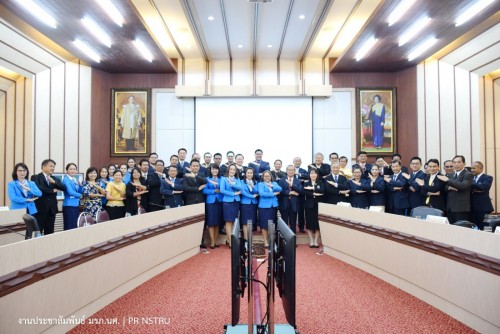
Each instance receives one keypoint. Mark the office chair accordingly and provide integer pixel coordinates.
(102, 216)
(467, 224)
(85, 219)
(423, 211)
(32, 228)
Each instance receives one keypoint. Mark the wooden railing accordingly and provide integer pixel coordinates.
(27, 276)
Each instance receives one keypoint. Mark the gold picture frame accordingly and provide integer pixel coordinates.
(376, 120)
(130, 122)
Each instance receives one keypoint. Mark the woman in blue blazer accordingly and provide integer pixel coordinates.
(72, 195)
(359, 189)
(22, 192)
(377, 185)
(249, 194)
(230, 187)
(268, 203)
(213, 204)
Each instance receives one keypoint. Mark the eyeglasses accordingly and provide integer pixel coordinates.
(448, 166)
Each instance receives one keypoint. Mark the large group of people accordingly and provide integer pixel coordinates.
(254, 192)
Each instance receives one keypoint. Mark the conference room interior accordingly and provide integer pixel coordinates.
(291, 77)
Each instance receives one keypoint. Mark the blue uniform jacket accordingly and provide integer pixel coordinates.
(247, 195)
(72, 193)
(172, 200)
(17, 198)
(228, 190)
(480, 196)
(267, 197)
(209, 190)
(378, 198)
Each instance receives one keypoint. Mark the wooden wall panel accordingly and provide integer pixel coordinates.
(406, 95)
(60, 116)
(3, 119)
(433, 120)
(102, 83)
(447, 118)
(463, 114)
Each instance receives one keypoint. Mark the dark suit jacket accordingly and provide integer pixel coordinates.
(285, 193)
(388, 170)
(192, 194)
(172, 200)
(398, 199)
(311, 200)
(277, 176)
(323, 170)
(131, 202)
(437, 202)
(333, 195)
(480, 196)
(154, 184)
(459, 201)
(47, 203)
(378, 198)
(359, 200)
(415, 197)
(258, 170)
(181, 169)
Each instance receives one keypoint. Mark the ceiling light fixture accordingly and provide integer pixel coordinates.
(144, 51)
(414, 29)
(269, 45)
(240, 46)
(112, 11)
(87, 50)
(472, 11)
(211, 18)
(302, 16)
(417, 52)
(369, 44)
(399, 11)
(39, 13)
(98, 33)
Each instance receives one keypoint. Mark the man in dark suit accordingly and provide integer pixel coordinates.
(414, 194)
(172, 188)
(46, 204)
(361, 163)
(152, 161)
(480, 196)
(183, 165)
(154, 179)
(397, 201)
(302, 175)
(193, 184)
(458, 189)
(258, 165)
(335, 185)
(322, 168)
(289, 200)
(432, 187)
(144, 167)
(230, 160)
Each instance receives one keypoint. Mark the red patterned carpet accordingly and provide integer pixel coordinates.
(332, 297)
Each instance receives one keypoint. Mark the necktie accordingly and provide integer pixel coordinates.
(475, 179)
(456, 175)
(47, 179)
(335, 178)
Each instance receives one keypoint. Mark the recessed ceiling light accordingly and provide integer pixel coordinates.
(87, 50)
(472, 11)
(39, 13)
(240, 46)
(97, 31)
(211, 18)
(422, 48)
(414, 29)
(112, 11)
(369, 44)
(269, 45)
(399, 11)
(302, 16)
(143, 50)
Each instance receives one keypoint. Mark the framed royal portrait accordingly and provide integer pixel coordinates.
(376, 120)
(130, 122)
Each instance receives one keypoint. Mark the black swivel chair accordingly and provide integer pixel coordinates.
(424, 211)
(32, 228)
(465, 223)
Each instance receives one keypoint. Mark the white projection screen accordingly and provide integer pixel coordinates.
(281, 127)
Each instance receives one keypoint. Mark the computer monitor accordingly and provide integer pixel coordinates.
(284, 268)
(238, 271)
